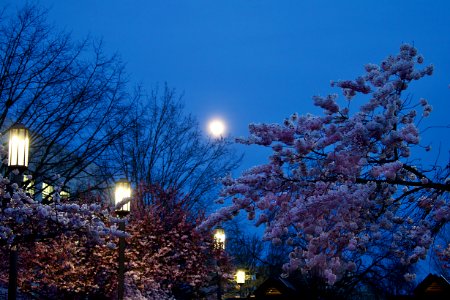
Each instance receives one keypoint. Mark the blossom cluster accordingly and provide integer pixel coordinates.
(22, 219)
(340, 188)
(163, 251)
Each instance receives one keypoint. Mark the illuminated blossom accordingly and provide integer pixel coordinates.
(341, 186)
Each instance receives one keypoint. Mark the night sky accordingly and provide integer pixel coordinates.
(259, 60)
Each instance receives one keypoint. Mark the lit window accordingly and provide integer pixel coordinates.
(28, 185)
(64, 194)
(47, 190)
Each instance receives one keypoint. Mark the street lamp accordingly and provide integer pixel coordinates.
(19, 144)
(122, 191)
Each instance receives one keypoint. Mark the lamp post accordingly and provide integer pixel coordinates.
(219, 244)
(122, 191)
(19, 143)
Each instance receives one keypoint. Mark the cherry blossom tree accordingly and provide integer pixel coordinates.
(343, 189)
(58, 268)
(26, 224)
(165, 256)
(22, 219)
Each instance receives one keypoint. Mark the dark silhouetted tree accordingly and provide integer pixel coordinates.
(69, 94)
(165, 146)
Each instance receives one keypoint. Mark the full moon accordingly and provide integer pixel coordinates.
(216, 127)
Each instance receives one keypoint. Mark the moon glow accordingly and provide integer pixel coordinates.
(216, 127)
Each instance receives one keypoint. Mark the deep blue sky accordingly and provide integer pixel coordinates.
(259, 60)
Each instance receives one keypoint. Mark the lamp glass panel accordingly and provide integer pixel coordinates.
(19, 144)
(122, 191)
(219, 237)
(29, 184)
(47, 190)
(64, 194)
(240, 276)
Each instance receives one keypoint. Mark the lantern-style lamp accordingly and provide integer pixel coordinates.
(219, 237)
(19, 144)
(122, 191)
(240, 276)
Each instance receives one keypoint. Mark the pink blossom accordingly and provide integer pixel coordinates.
(330, 276)
(442, 214)
(328, 103)
(420, 59)
(352, 244)
(427, 110)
